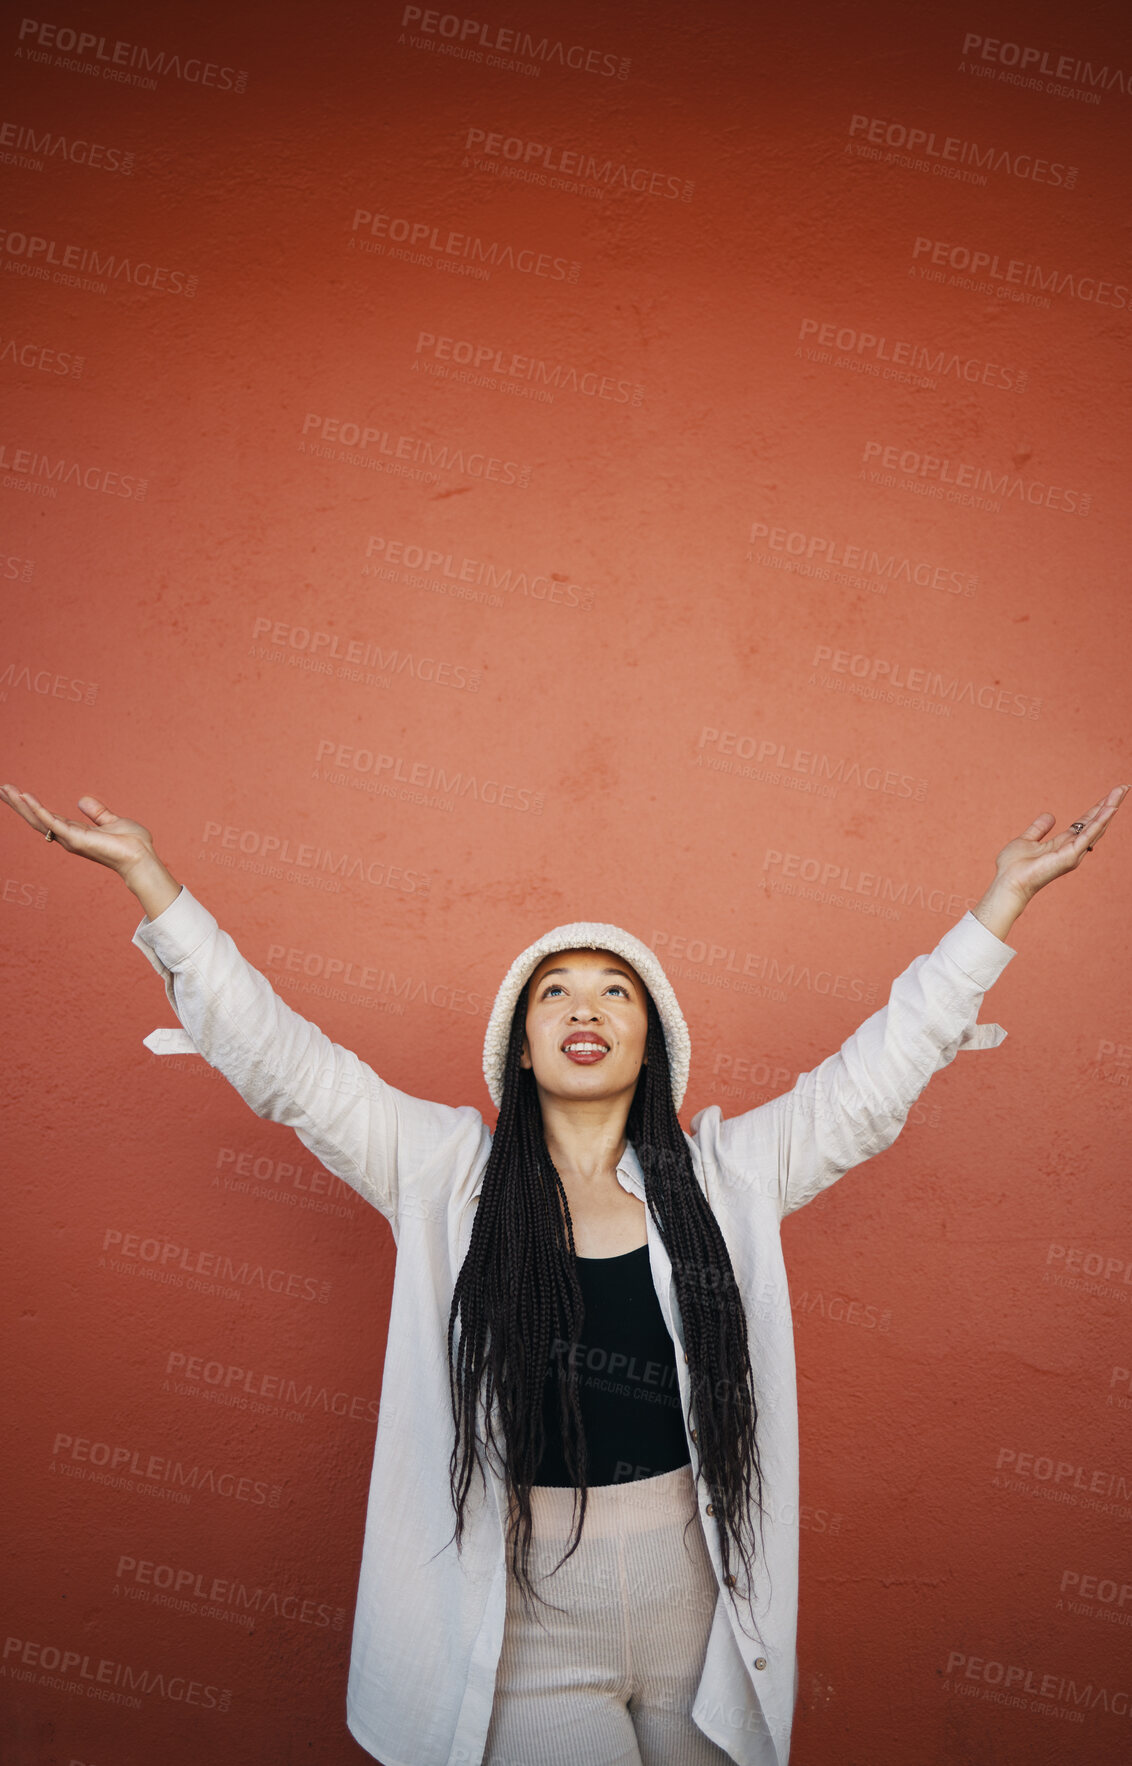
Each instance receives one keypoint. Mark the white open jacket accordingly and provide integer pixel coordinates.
(429, 1621)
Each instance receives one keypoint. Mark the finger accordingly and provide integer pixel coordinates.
(1090, 814)
(46, 818)
(1091, 819)
(96, 810)
(1095, 826)
(1112, 800)
(13, 800)
(1040, 826)
(21, 802)
(1096, 820)
(1072, 844)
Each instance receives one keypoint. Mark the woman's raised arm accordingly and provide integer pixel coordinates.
(399, 1152)
(854, 1104)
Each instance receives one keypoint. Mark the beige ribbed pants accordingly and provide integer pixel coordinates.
(609, 1681)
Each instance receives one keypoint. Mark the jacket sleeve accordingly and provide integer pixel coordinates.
(855, 1103)
(368, 1133)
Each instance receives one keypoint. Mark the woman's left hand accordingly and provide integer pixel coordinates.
(1027, 864)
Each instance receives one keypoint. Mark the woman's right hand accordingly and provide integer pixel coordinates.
(111, 840)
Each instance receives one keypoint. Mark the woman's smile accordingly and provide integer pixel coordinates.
(585, 1049)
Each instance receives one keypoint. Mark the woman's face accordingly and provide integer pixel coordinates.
(577, 997)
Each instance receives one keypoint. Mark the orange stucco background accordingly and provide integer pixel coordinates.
(675, 475)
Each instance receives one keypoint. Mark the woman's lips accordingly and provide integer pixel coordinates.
(585, 1057)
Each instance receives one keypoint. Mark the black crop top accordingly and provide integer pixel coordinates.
(628, 1391)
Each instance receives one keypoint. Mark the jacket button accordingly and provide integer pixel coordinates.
(709, 1510)
(730, 1581)
(685, 1355)
(695, 1437)
(760, 1661)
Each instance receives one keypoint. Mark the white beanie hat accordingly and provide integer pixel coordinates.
(587, 935)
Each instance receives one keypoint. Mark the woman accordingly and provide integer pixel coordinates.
(605, 1338)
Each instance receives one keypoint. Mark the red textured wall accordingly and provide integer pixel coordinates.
(761, 573)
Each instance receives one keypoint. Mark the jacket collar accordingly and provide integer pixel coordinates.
(629, 1173)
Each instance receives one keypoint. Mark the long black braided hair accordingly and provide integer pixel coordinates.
(517, 1289)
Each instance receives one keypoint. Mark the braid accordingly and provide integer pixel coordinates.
(723, 1406)
(518, 1288)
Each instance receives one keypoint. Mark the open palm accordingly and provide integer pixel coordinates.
(1028, 863)
(106, 838)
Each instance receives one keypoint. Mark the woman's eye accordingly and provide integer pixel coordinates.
(556, 987)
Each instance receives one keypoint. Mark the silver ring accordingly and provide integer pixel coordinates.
(50, 834)
(1075, 827)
